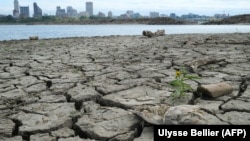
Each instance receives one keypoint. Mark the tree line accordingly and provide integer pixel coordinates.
(46, 19)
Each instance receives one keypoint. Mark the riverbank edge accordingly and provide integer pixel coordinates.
(79, 37)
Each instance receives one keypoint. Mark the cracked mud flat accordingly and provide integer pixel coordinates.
(87, 88)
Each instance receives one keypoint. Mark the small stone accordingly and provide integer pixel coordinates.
(33, 37)
(215, 90)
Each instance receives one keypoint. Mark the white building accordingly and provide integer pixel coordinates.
(89, 8)
(154, 14)
(83, 14)
(71, 12)
(110, 14)
(60, 12)
(24, 11)
(16, 9)
(129, 13)
(101, 15)
(37, 10)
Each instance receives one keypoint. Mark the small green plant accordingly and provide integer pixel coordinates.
(179, 84)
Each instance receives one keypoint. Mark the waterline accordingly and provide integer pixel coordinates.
(10, 32)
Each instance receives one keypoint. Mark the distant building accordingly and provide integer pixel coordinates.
(37, 10)
(16, 9)
(172, 15)
(71, 12)
(136, 16)
(89, 8)
(60, 12)
(24, 11)
(101, 15)
(123, 16)
(129, 13)
(163, 15)
(83, 14)
(110, 14)
(190, 16)
(154, 15)
(221, 16)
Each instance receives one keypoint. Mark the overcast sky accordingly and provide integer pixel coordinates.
(202, 7)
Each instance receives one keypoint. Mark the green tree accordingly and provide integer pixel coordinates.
(7, 19)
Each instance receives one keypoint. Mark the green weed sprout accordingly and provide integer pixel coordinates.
(179, 84)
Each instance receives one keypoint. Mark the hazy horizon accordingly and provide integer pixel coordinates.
(180, 7)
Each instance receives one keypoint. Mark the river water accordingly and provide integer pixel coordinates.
(10, 32)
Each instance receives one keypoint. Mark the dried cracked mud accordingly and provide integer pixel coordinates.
(72, 89)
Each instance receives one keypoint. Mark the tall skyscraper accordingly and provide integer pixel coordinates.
(89, 8)
(16, 9)
(154, 14)
(110, 14)
(37, 10)
(24, 11)
(71, 12)
(60, 12)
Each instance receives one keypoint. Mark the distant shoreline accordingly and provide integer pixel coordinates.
(144, 21)
(239, 19)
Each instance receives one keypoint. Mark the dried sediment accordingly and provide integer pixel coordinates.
(80, 85)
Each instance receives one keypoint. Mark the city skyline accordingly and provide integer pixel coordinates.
(144, 7)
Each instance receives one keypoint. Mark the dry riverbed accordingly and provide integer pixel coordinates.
(88, 88)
